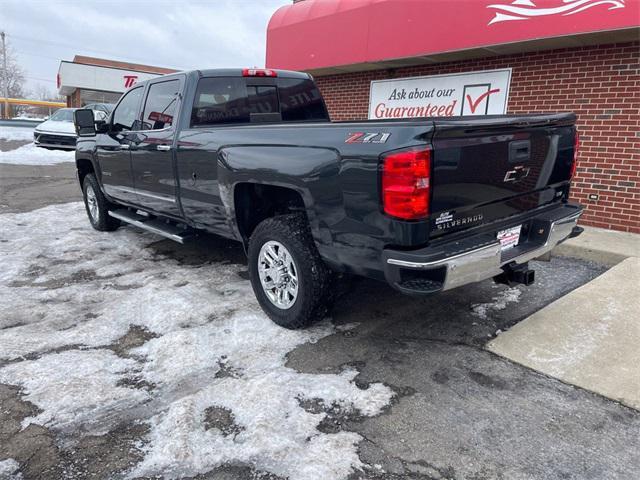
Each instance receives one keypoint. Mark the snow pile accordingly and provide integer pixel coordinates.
(16, 133)
(9, 470)
(70, 295)
(31, 155)
(499, 302)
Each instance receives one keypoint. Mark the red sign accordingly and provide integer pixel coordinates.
(369, 31)
(130, 80)
(160, 117)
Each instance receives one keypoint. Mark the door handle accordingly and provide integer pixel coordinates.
(124, 147)
(164, 148)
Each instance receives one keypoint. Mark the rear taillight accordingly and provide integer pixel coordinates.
(405, 183)
(574, 164)
(259, 72)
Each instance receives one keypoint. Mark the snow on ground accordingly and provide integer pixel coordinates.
(31, 155)
(9, 470)
(16, 133)
(69, 294)
(499, 302)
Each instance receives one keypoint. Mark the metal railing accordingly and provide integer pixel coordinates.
(7, 102)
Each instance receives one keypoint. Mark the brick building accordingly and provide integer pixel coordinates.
(88, 80)
(581, 56)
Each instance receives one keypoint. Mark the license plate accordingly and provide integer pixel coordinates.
(510, 237)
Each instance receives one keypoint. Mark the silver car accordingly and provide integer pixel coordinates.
(58, 131)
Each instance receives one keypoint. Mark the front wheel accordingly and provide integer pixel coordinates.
(288, 277)
(97, 205)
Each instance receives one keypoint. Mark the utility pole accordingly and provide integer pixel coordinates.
(5, 76)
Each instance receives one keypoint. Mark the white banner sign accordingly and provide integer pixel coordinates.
(474, 93)
(94, 77)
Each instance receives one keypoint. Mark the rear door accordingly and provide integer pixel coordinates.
(152, 148)
(218, 102)
(113, 148)
(490, 168)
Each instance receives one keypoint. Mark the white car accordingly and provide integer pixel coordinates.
(59, 131)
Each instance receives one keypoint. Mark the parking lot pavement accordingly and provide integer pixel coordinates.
(125, 355)
(27, 187)
(461, 411)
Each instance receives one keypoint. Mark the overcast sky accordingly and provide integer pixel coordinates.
(180, 34)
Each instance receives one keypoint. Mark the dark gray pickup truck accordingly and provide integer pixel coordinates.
(425, 204)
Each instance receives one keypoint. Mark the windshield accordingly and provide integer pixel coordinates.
(63, 115)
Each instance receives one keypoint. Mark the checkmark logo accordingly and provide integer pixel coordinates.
(473, 104)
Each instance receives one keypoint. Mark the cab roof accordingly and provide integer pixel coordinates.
(238, 72)
(229, 72)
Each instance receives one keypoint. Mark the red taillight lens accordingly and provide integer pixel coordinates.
(405, 184)
(574, 164)
(259, 72)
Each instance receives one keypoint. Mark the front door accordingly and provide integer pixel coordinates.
(112, 148)
(152, 149)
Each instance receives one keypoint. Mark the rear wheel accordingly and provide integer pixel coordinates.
(288, 277)
(97, 205)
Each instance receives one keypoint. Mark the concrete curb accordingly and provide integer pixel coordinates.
(590, 337)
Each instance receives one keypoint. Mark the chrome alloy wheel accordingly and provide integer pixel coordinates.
(278, 274)
(92, 203)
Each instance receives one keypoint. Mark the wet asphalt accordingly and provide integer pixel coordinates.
(460, 412)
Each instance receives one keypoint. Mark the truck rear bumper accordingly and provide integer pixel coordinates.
(478, 257)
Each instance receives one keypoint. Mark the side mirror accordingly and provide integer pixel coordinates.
(84, 122)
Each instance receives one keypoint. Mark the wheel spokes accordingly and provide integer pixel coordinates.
(278, 274)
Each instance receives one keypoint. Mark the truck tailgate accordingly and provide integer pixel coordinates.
(490, 168)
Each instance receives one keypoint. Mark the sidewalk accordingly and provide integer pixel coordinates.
(590, 337)
(603, 246)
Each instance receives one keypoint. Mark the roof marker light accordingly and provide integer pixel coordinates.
(259, 72)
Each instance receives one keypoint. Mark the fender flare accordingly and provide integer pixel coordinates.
(311, 172)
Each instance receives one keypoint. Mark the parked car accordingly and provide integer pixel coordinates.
(58, 130)
(425, 204)
(106, 108)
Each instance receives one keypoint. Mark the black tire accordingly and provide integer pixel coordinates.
(100, 219)
(313, 300)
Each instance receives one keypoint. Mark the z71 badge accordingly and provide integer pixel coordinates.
(364, 137)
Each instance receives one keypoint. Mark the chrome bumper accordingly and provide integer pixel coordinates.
(480, 263)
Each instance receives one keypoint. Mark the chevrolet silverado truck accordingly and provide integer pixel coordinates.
(425, 204)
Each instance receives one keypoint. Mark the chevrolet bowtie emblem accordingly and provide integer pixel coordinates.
(517, 174)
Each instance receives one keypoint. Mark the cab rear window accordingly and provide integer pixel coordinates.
(228, 100)
(300, 100)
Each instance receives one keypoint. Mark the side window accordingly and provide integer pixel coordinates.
(160, 107)
(220, 100)
(125, 116)
(301, 100)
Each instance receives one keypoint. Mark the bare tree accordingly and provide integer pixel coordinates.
(14, 75)
(42, 92)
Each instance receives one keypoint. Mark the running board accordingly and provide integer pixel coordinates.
(167, 230)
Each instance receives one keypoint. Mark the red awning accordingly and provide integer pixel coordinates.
(315, 35)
